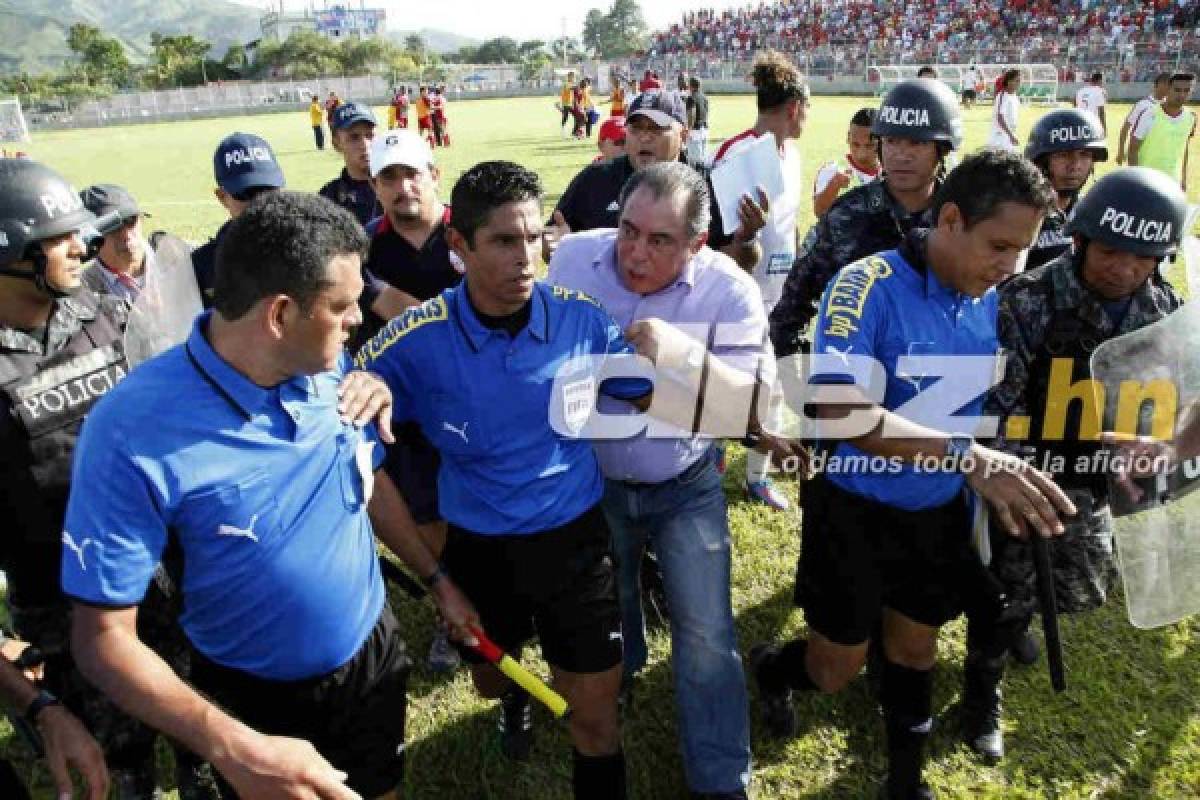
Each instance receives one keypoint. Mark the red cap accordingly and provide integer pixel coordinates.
(613, 129)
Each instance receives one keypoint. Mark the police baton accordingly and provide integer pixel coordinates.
(487, 649)
(1049, 608)
(1047, 601)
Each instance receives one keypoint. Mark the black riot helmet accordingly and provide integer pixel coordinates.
(36, 203)
(921, 109)
(1135, 209)
(1067, 129)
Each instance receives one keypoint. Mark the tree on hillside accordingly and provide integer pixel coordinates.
(102, 59)
(502, 50)
(595, 30)
(619, 32)
(178, 60)
(415, 46)
(235, 59)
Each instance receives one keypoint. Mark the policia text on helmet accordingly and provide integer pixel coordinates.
(45, 230)
(1137, 211)
(1066, 144)
(913, 115)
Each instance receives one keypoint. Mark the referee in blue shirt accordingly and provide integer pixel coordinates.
(476, 368)
(227, 458)
(887, 536)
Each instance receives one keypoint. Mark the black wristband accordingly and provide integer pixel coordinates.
(39, 704)
(432, 578)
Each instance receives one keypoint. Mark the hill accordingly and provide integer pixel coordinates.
(35, 31)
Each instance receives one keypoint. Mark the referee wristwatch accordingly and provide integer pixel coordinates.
(39, 704)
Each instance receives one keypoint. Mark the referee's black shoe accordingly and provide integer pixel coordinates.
(1026, 650)
(981, 706)
(516, 724)
(776, 698)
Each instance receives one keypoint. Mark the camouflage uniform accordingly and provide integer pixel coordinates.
(34, 480)
(1048, 314)
(863, 221)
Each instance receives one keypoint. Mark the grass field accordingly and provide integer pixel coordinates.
(1129, 727)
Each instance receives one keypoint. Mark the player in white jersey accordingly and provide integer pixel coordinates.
(1005, 109)
(860, 167)
(783, 99)
(1162, 82)
(1094, 98)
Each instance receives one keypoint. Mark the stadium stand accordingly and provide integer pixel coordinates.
(1135, 38)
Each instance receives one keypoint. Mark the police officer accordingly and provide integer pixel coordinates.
(244, 166)
(918, 125)
(886, 536)
(353, 129)
(1050, 321)
(60, 350)
(1066, 144)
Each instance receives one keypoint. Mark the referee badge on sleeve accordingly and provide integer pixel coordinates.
(578, 400)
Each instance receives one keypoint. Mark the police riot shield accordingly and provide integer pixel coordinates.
(1148, 391)
(163, 313)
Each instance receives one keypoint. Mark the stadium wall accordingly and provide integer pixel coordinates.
(1117, 92)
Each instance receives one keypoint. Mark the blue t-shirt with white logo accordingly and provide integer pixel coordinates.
(504, 412)
(265, 492)
(885, 308)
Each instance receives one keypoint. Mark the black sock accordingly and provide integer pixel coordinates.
(907, 707)
(599, 777)
(788, 669)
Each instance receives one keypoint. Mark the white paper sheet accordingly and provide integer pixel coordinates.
(751, 165)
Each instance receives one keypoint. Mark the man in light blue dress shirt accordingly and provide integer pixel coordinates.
(664, 491)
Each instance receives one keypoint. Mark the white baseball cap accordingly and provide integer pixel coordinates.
(399, 146)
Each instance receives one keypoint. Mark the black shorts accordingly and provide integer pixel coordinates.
(858, 556)
(558, 584)
(412, 463)
(354, 716)
(969, 95)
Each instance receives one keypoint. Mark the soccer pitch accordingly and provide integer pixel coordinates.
(1128, 727)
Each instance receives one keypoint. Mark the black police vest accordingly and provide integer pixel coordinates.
(1051, 243)
(1067, 337)
(45, 399)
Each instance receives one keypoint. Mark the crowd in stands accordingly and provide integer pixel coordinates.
(840, 36)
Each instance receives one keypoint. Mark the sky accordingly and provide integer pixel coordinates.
(520, 19)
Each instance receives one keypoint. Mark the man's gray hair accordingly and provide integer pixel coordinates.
(668, 179)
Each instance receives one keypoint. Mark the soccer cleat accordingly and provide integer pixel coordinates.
(776, 700)
(516, 725)
(764, 491)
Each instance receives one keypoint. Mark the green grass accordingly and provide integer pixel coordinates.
(1129, 727)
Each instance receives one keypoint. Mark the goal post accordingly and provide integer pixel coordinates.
(1039, 82)
(12, 121)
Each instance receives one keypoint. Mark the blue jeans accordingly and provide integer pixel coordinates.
(684, 521)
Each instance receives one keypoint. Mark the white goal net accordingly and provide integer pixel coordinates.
(1039, 82)
(12, 121)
